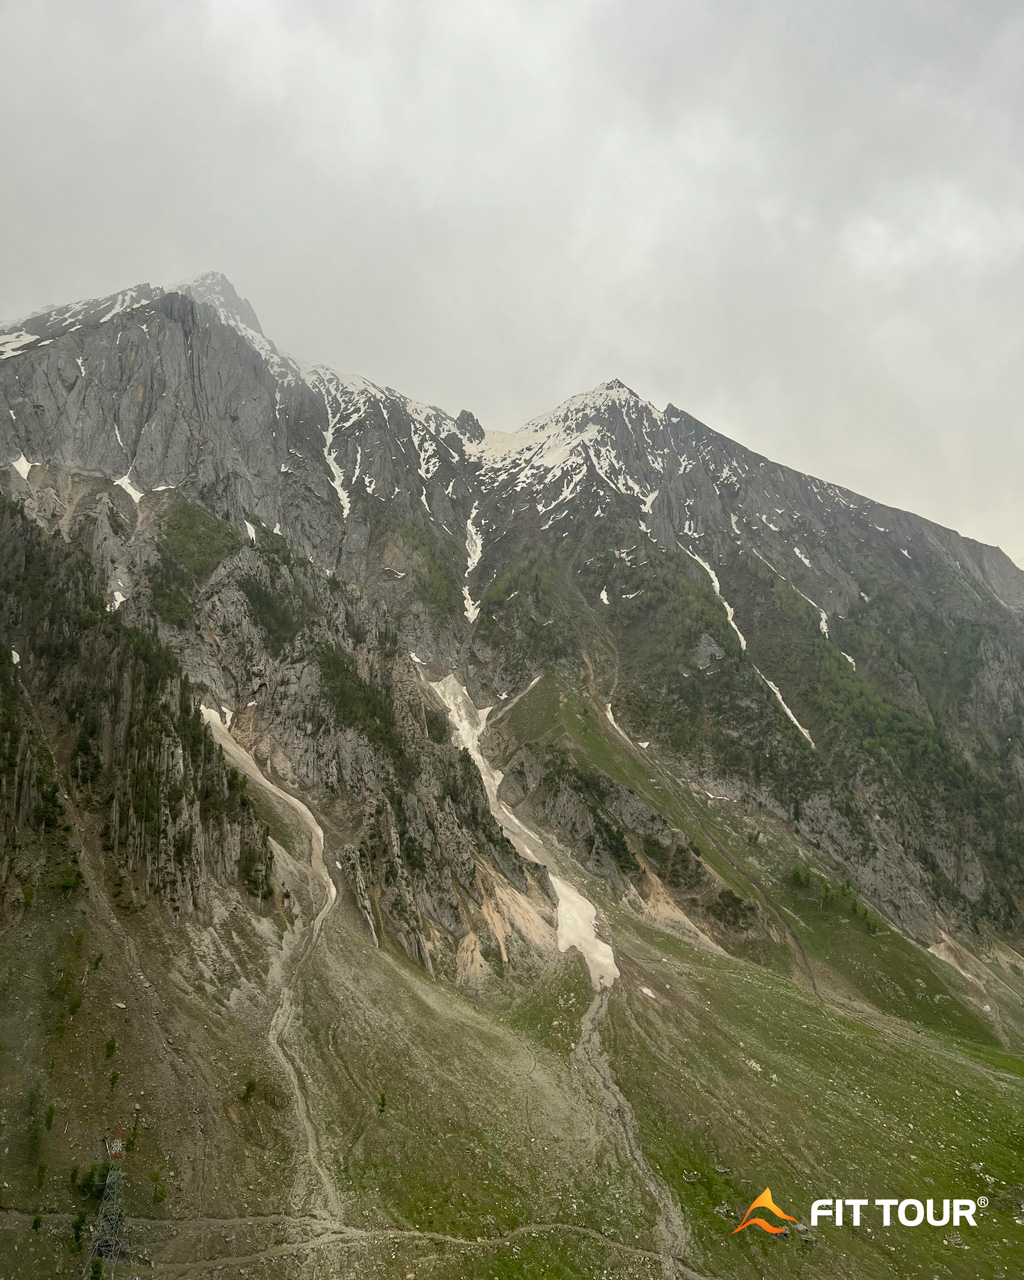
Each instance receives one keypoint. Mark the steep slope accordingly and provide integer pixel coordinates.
(856, 668)
(607, 788)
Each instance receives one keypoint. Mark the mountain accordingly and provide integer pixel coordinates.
(461, 853)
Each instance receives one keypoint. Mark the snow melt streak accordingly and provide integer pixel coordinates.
(718, 592)
(775, 689)
(474, 550)
(743, 644)
(330, 453)
(576, 915)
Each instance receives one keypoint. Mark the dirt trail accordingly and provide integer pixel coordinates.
(284, 1014)
(341, 1237)
(325, 1232)
(672, 1231)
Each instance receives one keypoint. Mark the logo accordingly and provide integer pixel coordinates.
(764, 1201)
(848, 1212)
(911, 1213)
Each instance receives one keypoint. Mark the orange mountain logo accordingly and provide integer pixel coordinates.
(764, 1201)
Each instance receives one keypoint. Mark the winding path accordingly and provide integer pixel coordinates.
(283, 1015)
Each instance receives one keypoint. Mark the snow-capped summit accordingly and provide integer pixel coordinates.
(599, 444)
(44, 326)
(212, 289)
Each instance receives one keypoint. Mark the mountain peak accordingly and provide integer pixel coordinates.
(217, 291)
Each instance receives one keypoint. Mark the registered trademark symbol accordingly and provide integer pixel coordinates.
(983, 1202)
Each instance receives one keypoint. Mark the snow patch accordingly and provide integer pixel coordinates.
(474, 550)
(615, 724)
(15, 657)
(330, 452)
(125, 483)
(124, 301)
(576, 915)
(781, 701)
(576, 928)
(800, 555)
(604, 595)
(22, 465)
(251, 531)
(11, 344)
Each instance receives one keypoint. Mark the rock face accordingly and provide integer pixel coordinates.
(292, 534)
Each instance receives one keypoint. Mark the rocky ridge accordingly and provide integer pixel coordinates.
(121, 406)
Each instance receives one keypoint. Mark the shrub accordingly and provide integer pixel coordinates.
(437, 725)
(92, 1184)
(192, 545)
(361, 706)
(279, 619)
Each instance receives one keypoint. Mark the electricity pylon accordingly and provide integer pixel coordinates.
(108, 1244)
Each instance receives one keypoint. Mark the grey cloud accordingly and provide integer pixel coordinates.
(801, 222)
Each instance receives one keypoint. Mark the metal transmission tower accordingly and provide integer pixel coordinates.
(108, 1245)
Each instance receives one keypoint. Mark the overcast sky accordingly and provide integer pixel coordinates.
(803, 221)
